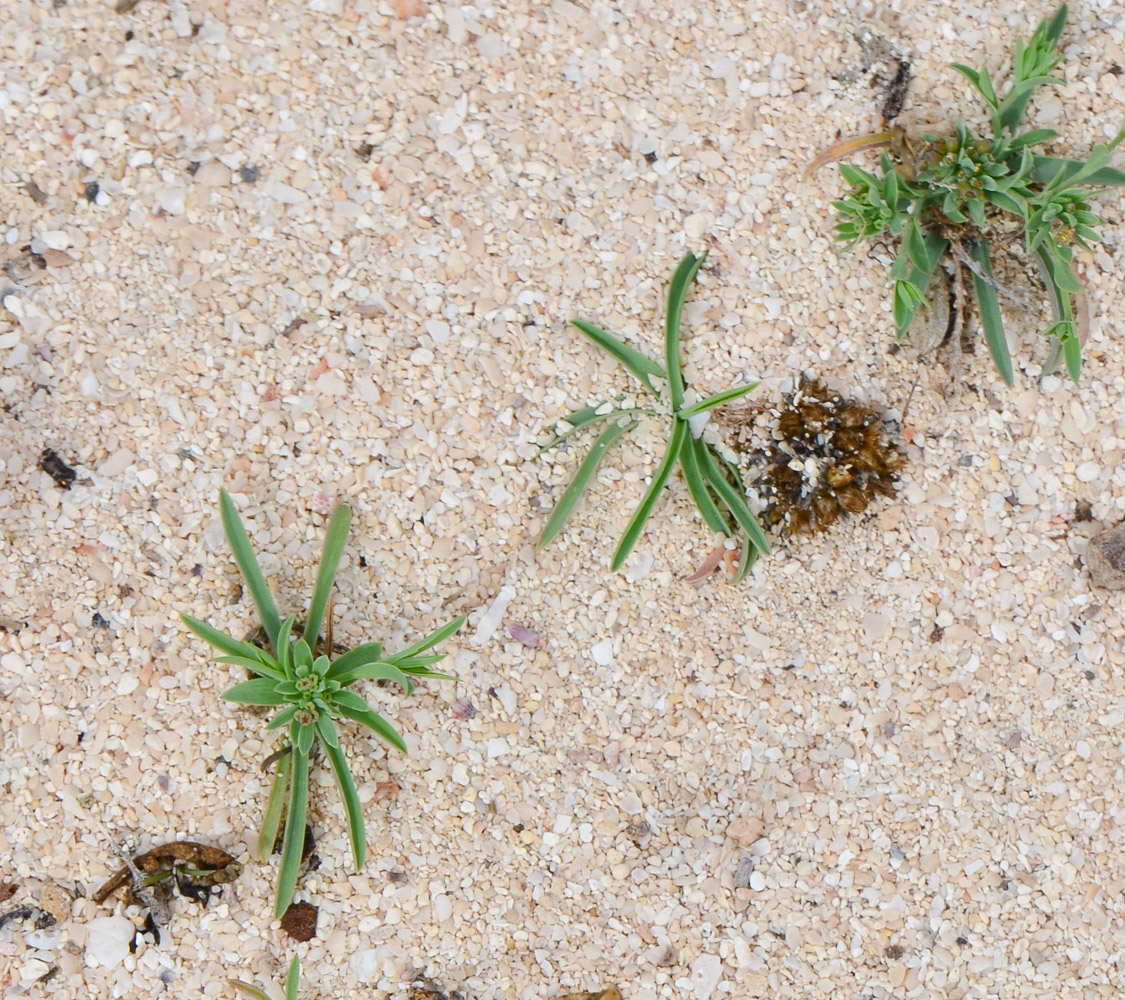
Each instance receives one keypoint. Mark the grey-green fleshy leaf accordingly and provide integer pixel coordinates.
(247, 563)
(326, 730)
(293, 979)
(573, 493)
(990, 319)
(261, 691)
(380, 670)
(689, 465)
(1047, 168)
(718, 399)
(438, 635)
(677, 294)
(304, 738)
(371, 719)
(229, 645)
(353, 810)
(644, 369)
(334, 540)
(284, 649)
(734, 502)
(275, 808)
(367, 653)
(579, 419)
(283, 718)
(259, 665)
(644, 509)
(294, 840)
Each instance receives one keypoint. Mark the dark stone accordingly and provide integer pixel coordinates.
(299, 921)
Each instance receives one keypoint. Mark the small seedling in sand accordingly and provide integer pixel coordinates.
(311, 689)
(714, 483)
(953, 200)
(292, 981)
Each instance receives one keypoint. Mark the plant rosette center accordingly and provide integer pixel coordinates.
(309, 690)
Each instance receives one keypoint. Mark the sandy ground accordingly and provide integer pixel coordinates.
(330, 255)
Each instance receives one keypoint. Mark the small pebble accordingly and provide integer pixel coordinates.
(1087, 472)
(603, 653)
(706, 971)
(108, 940)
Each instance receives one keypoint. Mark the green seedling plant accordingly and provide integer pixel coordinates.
(714, 483)
(292, 981)
(960, 198)
(311, 688)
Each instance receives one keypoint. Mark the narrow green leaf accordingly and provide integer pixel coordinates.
(262, 691)
(438, 635)
(1032, 138)
(284, 717)
(969, 73)
(357, 834)
(305, 735)
(284, 648)
(428, 674)
(689, 464)
(916, 248)
(369, 652)
(293, 980)
(677, 293)
(1072, 353)
(747, 557)
(578, 419)
(719, 399)
(326, 730)
(302, 654)
(263, 668)
(410, 664)
(334, 541)
(1009, 203)
(381, 670)
(1053, 29)
(637, 523)
(735, 503)
(349, 699)
(275, 807)
(990, 317)
(641, 367)
(247, 563)
(228, 644)
(294, 840)
(912, 281)
(1015, 102)
(373, 721)
(573, 493)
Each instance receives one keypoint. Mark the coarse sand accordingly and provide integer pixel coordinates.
(327, 250)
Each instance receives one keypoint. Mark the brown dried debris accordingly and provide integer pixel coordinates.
(828, 457)
(190, 863)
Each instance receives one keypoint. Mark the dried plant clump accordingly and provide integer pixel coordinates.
(828, 457)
